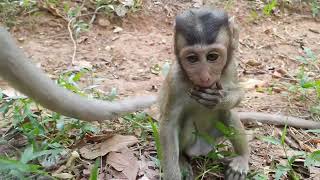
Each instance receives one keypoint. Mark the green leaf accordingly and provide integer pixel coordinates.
(310, 54)
(226, 131)
(267, 9)
(1, 95)
(113, 94)
(156, 137)
(302, 59)
(271, 140)
(313, 159)
(29, 154)
(77, 76)
(283, 136)
(260, 176)
(8, 164)
(87, 127)
(281, 171)
(94, 171)
(309, 84)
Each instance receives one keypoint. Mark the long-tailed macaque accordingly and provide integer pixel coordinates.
(27, 78)
(199, 93)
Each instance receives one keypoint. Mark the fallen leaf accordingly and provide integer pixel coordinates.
(253, 63)
(147, 169)
(314, 141)
(115, 143)
(104, 22)
(100, 137)
(124, 162)
(276, 74)
(63, 175)
(117, 29)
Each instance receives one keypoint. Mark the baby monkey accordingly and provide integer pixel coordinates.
(199, 92)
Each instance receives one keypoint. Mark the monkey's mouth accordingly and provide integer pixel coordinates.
(206, 86)
(213, 85)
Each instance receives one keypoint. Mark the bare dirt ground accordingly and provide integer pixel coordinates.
(124, 59)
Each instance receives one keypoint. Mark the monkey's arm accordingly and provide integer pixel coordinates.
(25, 77)
(169, 140)
(239, 164)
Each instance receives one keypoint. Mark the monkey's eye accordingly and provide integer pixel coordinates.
(212, 56)
(192, 58)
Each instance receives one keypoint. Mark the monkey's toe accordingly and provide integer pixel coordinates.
(237, 169)
(234, 175)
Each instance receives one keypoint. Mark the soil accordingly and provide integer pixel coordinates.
(123, 60)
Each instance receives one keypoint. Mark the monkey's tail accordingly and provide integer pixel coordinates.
(278, 120)
(30, 80)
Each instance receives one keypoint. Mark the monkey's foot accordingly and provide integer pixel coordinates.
(237, 169)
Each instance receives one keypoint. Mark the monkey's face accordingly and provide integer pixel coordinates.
(203, 64)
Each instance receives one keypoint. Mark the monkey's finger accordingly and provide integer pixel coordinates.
(209, 97)
(213, 92)
(243, 177)
(209, 104)
(204, 101)
(209, 91)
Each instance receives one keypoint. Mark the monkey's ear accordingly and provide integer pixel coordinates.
(234, 29)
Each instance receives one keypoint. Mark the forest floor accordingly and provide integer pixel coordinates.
(269, 47)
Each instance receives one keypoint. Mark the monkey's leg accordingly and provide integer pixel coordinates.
(186, 168)
(238, 166)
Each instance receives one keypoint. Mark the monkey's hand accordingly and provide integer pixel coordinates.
(217, 97)
(208, 97)
(237, 168)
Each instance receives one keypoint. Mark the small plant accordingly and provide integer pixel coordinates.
(287, 169)
(10, 9)
(268, 8)
(48, 134)
(120, 8)
(307, 88)
(315, 7)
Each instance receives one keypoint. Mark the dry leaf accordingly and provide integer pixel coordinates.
(276, 74)
(148, 169)
(253, 63)
(125, 162)
(100, 137)
(104, 22)
(63, 175)
(114, 143)
(117, 29)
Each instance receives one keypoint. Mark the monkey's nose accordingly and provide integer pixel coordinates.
(205, 82)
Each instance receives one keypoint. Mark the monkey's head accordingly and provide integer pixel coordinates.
(204, 44)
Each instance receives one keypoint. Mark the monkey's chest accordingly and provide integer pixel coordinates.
(203, 120)
(199, 132)
(199, 124)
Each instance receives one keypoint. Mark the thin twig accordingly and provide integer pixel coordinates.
(95, 14)
(73, 40)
